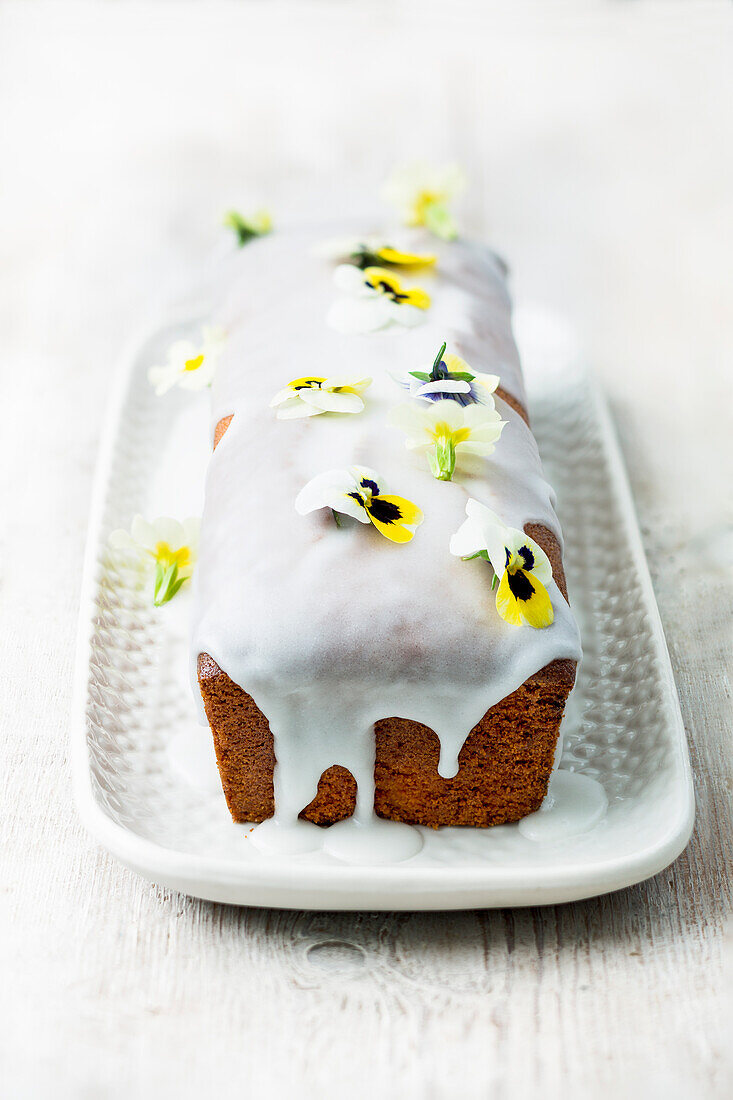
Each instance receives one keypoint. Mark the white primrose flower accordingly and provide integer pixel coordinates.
(313, 395)
(374, 299)
(359, 492)
(445, 430)
(164, 548)
(422, 193)
(370, 251)
(190, 365)
(450, 378)
(521, 567)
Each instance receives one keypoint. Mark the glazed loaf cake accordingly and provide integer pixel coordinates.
(341, 673)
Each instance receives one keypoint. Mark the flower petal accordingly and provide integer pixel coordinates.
(489, 382)
(330, 490)
(352, 383)
(170, 531)
(393, 531)
(541, 568)
(296, 409)
(325, 401)
(468, 539)
(313, 494)
(444, 385)
(522, 598)
(417, 298)
(351, 280)
(285, 394)
(404, 259)
(507, 604)
(143, 533)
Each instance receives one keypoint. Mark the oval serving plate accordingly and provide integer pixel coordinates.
(145, 779)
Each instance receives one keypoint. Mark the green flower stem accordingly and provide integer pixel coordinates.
(443, 462)
(435, 372)
(167, 583)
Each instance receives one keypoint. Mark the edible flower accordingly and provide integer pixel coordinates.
(446, 430)
(450, 377)
(374, 299)
(258, 225)
(521, 567)
(359, 492)
(165, 549)
(190, 365)
(371, 252)
(423, 193)
(310, 396)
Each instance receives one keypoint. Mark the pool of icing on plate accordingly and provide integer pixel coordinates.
(575, 804)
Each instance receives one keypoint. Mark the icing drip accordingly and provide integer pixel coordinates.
(330, 630)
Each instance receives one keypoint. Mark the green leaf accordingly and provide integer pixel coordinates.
(176, 587)
(494, 582)
(167, 583)
(437, 360)
(421, 375)
(248, 228)
(462, 376)
(363, 258)
(479, 554)
(336, 518)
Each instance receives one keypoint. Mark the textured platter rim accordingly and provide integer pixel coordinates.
(375, 887)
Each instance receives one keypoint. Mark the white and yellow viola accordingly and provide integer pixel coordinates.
(359, 492)
(313, 395)
(374, 299)
(522, 569)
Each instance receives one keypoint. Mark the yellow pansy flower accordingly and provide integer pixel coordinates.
(359, 492)
(522, 569)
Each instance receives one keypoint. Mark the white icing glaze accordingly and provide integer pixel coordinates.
(332, 629)
(574, 804)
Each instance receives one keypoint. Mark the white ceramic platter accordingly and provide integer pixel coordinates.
(145, 778)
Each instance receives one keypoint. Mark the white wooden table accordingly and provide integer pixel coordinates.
(597, 137)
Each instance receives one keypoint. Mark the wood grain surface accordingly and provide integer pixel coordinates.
(597, 138)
